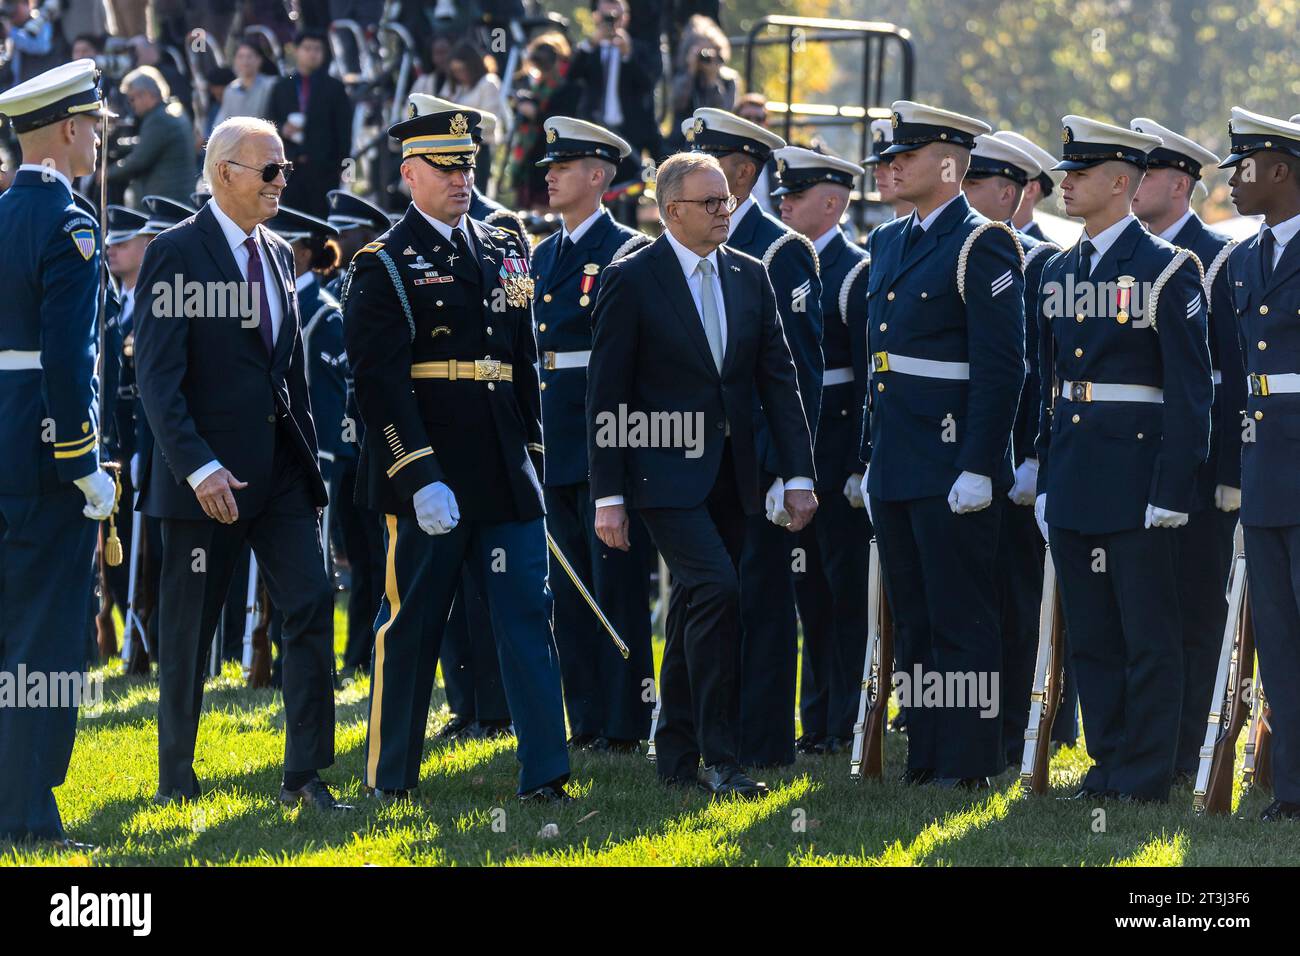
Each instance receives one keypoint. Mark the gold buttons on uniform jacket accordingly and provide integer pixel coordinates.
(884, 326)
(1075, 419)
(547, 297)
(1262, 345)
(1259, 416)
(1263, 310)
(880, 386)
(1078, 353)
(542, 386)
(541, 327)
(890, 297)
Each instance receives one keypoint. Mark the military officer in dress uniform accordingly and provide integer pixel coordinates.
(358, 223)
(769, 637)
(1037, 189)
(52, 489)
(1264, 284)
(945, 306)
(882, 137)
(438, 329)
(607, 698)
(1124, 426)
(1204, 544)
(813, 192)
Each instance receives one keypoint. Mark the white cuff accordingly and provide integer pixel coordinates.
(609, 502)
(196, 477)
(798, 484)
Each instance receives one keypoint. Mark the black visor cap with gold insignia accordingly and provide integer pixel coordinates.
(981, 167)
(561, 150)
(1080, 155)
(717, 143)
(797, 180)
(910, 136)
(1243, 144)
(443, 139)
(1163, 158)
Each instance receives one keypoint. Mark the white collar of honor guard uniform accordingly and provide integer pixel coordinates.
(928, 221)
(739, 213)
(688, 260)
(44, 171)
(444, 230)
(1284, 231)
(583, 226)
(824, 240)
(1106, 238)
(1169, 234)
(304, 281)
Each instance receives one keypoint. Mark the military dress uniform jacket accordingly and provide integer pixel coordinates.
(1102, 462)
(51, 286)
(492, 213)
(326, 366)
(1267, 313)
(565, 301)
(844, 274)
(925, 431)
(792, 267)
(1037, 252)
(407, 301)
(1223, 465)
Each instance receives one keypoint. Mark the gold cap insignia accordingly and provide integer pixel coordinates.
(895, 119)
(551, 135)
(698, 127)
(412, 111)
(459, 125)
(780, 167)
(1066, 135)
(591, 269)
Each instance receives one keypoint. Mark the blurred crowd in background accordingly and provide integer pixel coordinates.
(334, 74)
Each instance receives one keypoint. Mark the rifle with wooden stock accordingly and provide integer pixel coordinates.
(1232, 700)
(1256, 768)
(257, 623)
(867, 757)
(1049, 684)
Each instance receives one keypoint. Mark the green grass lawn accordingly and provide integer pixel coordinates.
(466, 812)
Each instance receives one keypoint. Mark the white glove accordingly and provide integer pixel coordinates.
(100, 494)
(1026, 484)
(436, 509)
(1160, 518)
(866, 498)
(1227, 498)
(853, 491)
(135, 470)
(776, 512)
(970, 493)
(1040, 514)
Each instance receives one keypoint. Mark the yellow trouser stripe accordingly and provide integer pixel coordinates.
(377, 676)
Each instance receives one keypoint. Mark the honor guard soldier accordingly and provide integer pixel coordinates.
(1203, 546)
(1126, 395)
(882, 137)
(438, 329)
(1264, 283)
(813, 192)
(359, 223)
(605, 695)
(945, 307)
(769, 636)
(52, 489)
(1037, 189)
(481, 207)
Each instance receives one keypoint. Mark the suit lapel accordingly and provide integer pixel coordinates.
(673, 282)
(288, 321)
(1120, 251)
(956, 211)
(1191, 231)
(1287, 266)
(217, 247)
(732, 294)
(488, 256)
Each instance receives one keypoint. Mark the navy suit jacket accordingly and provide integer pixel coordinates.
(207, 384)
(650, 354)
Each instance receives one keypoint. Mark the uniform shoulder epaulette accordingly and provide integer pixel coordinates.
(1176, 263)
(1212, 273)
(1035, 251)
(634, 242)
(847, 286)
(385, 260)
(371, 247)
(792, 236)
(970, 241)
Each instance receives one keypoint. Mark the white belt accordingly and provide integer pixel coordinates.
(553, 360)
(1098, 392)
(1261, 385)
(11, 360)
(1216, 376)
(925, 368)
(837, 376)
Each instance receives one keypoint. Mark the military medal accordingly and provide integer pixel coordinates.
(589, 273)
(516, 281)
(1124, 297)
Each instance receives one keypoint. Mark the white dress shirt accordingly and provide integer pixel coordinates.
(1105, 239)
(824, 240)
(1168, 234)
(444, 230)
(738, 213)
(689, 262)
(581, 229)
(236, 237)
(1283, 233)
(612, 61)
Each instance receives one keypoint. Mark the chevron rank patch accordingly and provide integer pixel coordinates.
(84, 240)
(1194, 306)
(1000, 284)
(799, 295)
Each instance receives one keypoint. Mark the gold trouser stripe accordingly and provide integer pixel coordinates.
(407, 459)
(394, 597)
(465, 369)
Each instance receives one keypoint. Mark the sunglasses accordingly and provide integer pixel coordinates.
(269, 171)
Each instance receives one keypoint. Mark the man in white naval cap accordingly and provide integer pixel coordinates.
(1123, 429)
(52, 481)
(945, 306)
(882, 136)
(1037, 188)
(1204, 544)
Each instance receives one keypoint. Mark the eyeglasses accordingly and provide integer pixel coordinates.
(714, 203)
(269, 171)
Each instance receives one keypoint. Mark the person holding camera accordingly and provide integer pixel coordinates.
(32, 33)
(701, 76)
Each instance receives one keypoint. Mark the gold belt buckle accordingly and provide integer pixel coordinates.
(1081, 391)
(487, 370)
(1259, 384)
(548, 361)
(880, 362)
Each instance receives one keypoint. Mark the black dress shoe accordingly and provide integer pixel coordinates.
(552, 792)
(582, 741)
(173, 796)
(614, 745)
(836, 745)
(916, 776)
(810, 744)
(385, 797)
(729, 780)
(313, 794)
(1087, 793)
(963, 783)
(455, 728)
(1184, 778)
(493, 729)
(1281, 810)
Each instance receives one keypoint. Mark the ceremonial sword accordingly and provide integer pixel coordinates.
(586, 595)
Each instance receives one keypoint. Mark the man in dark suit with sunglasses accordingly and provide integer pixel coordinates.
(222, 382)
